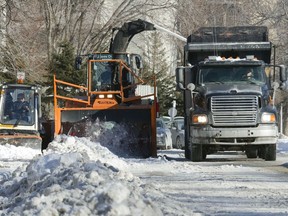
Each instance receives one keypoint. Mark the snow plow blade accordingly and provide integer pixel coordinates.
(33, 141)
(126, 131)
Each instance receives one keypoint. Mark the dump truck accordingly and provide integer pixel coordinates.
(229, 87)
(20, 114)
(110, 94)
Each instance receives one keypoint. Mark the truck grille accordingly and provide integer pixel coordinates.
(234, 111)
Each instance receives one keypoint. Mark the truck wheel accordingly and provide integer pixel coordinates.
(262, 152)
(252, 153)
(204, 153)
(270, 152)
(196, 152)
(188, 151)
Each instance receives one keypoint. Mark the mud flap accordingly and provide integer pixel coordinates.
(126, 132)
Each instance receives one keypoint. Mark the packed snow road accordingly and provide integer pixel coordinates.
(227, 184)
(78, 176)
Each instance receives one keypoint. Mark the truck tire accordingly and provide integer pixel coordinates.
(188, 151)
(262, 152)
(204, 152)
(196, 154)
(251, 152)
(270, 152)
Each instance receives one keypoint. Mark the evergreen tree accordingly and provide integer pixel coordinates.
(158, 66)
(63, 65)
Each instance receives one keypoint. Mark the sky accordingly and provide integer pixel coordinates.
(81, 176)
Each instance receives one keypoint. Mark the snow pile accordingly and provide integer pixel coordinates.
(70, 184)
(88, 149)
(10, 152)
(13, 157)
(74, 176)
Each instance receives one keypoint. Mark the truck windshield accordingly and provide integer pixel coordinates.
(17, 106)
(223, 74)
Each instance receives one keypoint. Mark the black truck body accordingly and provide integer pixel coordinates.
(228, 93)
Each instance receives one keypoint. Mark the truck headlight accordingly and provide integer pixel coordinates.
(199, 119)
(268, 117)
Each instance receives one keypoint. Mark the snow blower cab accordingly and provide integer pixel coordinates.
(20, 115)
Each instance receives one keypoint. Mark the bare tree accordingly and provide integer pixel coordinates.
(22, 40)
(35, 28)
(198, 13)
(88, 24)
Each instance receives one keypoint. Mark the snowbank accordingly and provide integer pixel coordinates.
(74, 177)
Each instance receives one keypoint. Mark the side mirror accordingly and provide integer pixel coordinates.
(138, 62)
(283, 73)
(180, 74)
(180, 77)
(180, 87)
(78, 63)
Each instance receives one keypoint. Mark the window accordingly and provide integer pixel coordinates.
(17, 106)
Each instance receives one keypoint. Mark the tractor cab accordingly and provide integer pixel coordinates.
(17, 105)
(19, 115)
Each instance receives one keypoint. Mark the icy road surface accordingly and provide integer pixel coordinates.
(227, 184)
(78, 176)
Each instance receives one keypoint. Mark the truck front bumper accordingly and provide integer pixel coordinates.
(263, 134)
